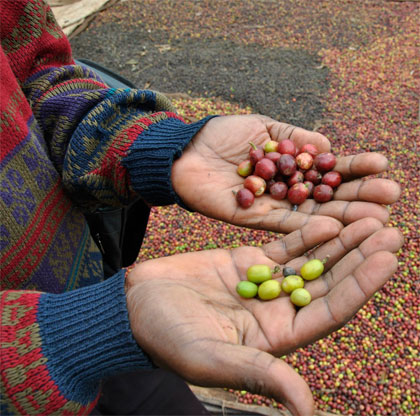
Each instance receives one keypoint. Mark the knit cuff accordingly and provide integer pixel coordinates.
(86, 337)
(151, 156)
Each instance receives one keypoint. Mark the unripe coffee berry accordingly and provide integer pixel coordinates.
(291, 283)
(268, 290)
(300, 297)
(247, 289)
(312, 269)
(245, 168)
(271, 146)
(259, 273)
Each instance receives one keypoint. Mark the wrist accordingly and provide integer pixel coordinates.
(86, 336)
(151, 157)
(188, 168)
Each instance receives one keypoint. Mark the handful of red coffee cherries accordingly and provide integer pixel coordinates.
(285, 172)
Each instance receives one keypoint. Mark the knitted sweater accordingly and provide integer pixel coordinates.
(69, 144)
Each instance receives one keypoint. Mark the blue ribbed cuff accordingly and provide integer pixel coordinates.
(151, 156)
(86, 337)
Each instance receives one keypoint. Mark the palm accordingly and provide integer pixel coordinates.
(205, 177)
(190, 318)
(208, 289)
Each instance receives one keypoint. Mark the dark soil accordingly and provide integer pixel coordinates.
(286, 84)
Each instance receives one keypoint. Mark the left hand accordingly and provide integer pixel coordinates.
(185, 313)
(205, 176)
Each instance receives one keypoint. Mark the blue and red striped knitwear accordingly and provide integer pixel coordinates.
(69, 144)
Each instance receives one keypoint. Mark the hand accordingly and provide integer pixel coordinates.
(205, 176)
(185, 312)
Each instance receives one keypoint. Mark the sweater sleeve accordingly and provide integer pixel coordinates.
(109, 145)
(49, 364)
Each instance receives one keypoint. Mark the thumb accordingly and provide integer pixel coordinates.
(245, 368)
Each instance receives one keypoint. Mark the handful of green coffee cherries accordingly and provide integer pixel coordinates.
(260, 282)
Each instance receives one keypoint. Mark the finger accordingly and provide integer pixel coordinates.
(362, 164)
(269, 214)
(385, 239)
(381, 191)
(349, 238)
(346, 211)
(281, 131)
(299, 241)
(246, 368)
(330, 312)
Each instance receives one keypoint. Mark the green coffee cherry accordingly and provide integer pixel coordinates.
(259, 273)
(247, 289)
(270, 289)
(312, 269)
(300, 297)
(291, 282)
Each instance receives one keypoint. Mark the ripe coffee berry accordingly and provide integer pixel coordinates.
(255, 184)
(313, 176)
(325, 162)
(255, 153)
(277, 168)
(245, 198)
(297, 194)
(274, 156)
(278, 190)
(287, 147)
(332, 178)
(304, 161)
(295, 178)
(310, 187)
(323, 193)
(309, 148)
(287, 165)
(265, 168)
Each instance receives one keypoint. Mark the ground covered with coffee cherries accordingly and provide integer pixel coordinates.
(348, 69)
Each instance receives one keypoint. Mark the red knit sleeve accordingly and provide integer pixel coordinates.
(31, 38)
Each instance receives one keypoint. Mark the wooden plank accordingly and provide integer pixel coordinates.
(220, 402)
(70, 15)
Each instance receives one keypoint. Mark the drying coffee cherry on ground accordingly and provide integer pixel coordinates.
(285, 172)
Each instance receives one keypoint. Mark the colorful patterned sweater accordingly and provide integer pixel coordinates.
(68, 144)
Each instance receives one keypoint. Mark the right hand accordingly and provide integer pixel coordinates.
(185, 313)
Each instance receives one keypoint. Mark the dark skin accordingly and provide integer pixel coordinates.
(185, 312)
(184, 309)
(205, 176)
